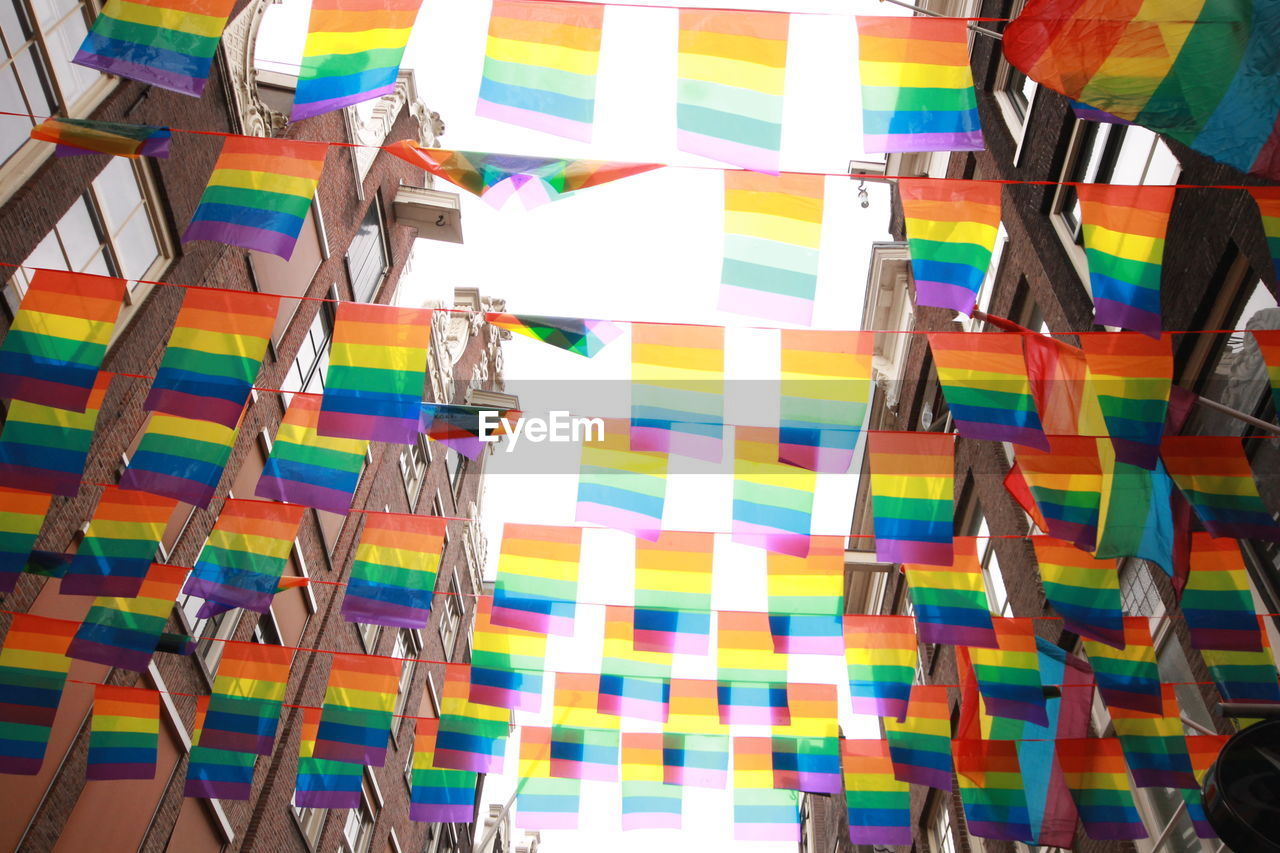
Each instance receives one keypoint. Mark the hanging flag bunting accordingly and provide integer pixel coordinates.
(950, 602)
(180, 458)
(222, 774)
(244, 557)
(1216, 601)
(1084, 591)
(1214, 476)
(1131, 375)
(760, 811)
(1016, 485)
(590, 754)
(124, 632)
(461, 427)
(352, 53)
(116, 551)
(1066, 484)
(437, 795)
(913, 496)
(752, 676)
(1154, 744)
(1141, 520)
(21, 517)
(772, 231)
(732, 71)
(1268, 201)
(506, 663)
(1268, 341)
(359, 700)
(1124, 232)
(1244, 676)
(393, 574)
(124, 733)
(1058, 372)
(214, 353)
(991, 790)
(52, 352)
(308, 468)
(472, 737)
(677, 389)
(537, 584)
(323, 783)
(673, 593)
(826, 387)
(917, 89)
(33, 670)
(1095, 774)
(576, 706)
(881, 654)
(633, 682)
(1009, 676)
(695, 745)
(209, 609)
(806, 751)
(1084, 112)
(377, 370)
(1203, 750)
(878, 805)
(806, 598)
(576, 335)
(1127, 676)
(248, 693)
(78, 136)
(772, 501)
(43, 449)
(647, 802)
(951, 233)
(619, 487)
(920, 745)
(984, 381)
(543, 802)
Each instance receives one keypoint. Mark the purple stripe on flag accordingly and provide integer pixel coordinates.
(759, 303)
(746, 156)
(1107, 312)
(299, 111)
(180, 83)
(706, 448)
(373, 427)
(187, 491)
(885, 143)
(245, 236)
(294, 492)
(194, 407)
(557, 125)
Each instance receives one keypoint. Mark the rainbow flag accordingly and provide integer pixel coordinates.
(772, 230)
(1084, 591)
(1127, 676)
(619, 487)
(377, 370)
(647, 802)
(359, 700)
(222, 774)
(245, 556)
(695, 745)
(752, 676)
(472, 737)
(1204, 751)
(352, 53)
(879, 806)
(951, 233)
(259, 194)
(913, 483)
(393, 574)
(323, 783)
(1216, 600)
(542, 801)
(51, 354)
(506, 663)
(1009, 676)
(1244, 676)
(991, 790)
(806, 598)
(826, 387)
(437, 795)
(772, 501)
(1268, 342)
(732, 68)
(673, 593)
(122, 538)
(576, 335)
(590, 754)
(1124, 228)
(180, 458)
(214, 353)
(247, 696)
(1131, 375)
(761, 812)
(33, 670)
(1144, 518)
(460, 427)
(1095, 774)
(806, 751)
(1214, 476)
(1154, 744)
(576, 705)
(950, 602)
(920, 744)
(166, 44)
(633, 682)
(1084, 112)
(1268, 201)
(308, 468)
(21, 517)
(537, 584)
(677, 389)
(124, 733)
(78, 136)
(917, 89)
(881, 653)
(984, 381)
(540, 66)
(1066, 484)
(124, 632)
(43, 449)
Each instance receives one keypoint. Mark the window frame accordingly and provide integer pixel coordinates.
(452, 616)
(375, 207)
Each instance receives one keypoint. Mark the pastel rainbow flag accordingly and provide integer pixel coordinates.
(259, 194)
(881, 653)
(506, 663)
(1095, 775)
(806, 751)
(752, 676)
(540, 66)
(1009, 676)
(633, 682)
(1066, 484)
(677, 389)
(1204, 750)
(222, 774)
(578, 753)
(573, 334)
(1245, 676)
(459, 427)
(43, 449)
(647, 802)
(879, 806)
(52, 353)
(537, 584)
(21, 517)
(355, 720)
(920, 744)
(806, 598)
(992, 790)
(248, 693)
(1128, 676)
(772, 501)
(1216, 600)
(1084, 591)
(180, 458)
(542, 801)
(1124, 229)
(437, 795)
(117, 549)
(1268, 201)
(772, 232)
(576, 704)
(245, 555)
(695, 745)
(167, 44)
(213, 356)
(352, 53)
(826, 387)
(1131, 375)
(1154, 743)
(124, 733)
(732, 70)
(951, 233)
(1213, 474)
(760, 811)
(673, 593)
(308, 468)
(913, 483)
(321, 782)
(78, 136)
(984, 381)
(33, 670)
(393, 574)
(950, 602)
(124, 631)
(1268, 342)
(377, 370)
(917, 89)
(619, 487)
(471, 737)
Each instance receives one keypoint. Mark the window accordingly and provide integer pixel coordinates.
(414, 460)
(369, 634)
(357, 832)
(940, 832)
(267, 631)
(367, 257)
(310, 823)
(808, 841)
(997, 595)
(409, 647)
(451, 616)
(208, 631)
(306, 374)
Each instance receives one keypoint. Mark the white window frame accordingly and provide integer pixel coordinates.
(942, 835)
(452, 615)
(365, 818)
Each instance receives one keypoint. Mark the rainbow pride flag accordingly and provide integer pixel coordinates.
(437, 795)
(1268, 201)
(633, 682)
(826, 387)
(1214, 476)
(358, 705)
(1131, 375)
(772, 501)
(117, 549)
(248, 693)
(951, 233)
(245, 555)
(772, 231)
(1154, 744)
(576, 335)
(471, 737)
(695, 745)
(1268, 342)
(760, 811)
(1127, 676)
(879, 806)
(166, 44)
(806, 598)
(393, 574)
(881, 653)
(1095, 775)
(21, 517)
(984, 381)
(1243, 676)
(1084, 112)
(647, 802)
(677, 389)
(992, 791)
(1066, 484)
(537, 584)
(619, 487)
(920, 744)
(917, 89)
(308, 468)
(79, 136)
(323, 783)
(1216, 600)
(180, 458)
(33, 670)
(732, 68)
(259, 194)
(124, 733)
(43, 449)
(950, 602)
(913, 483)
(806, 750)
(578, 753)
(1203, 750)
(542, 801)
(1009, 676)
(460, 428)
(576, 705)
(1084, 591)
(752, 676)
(214, 353)
(51, 354)
(1124, 229)
(352, 53)
(673, 593)
(223, 774)
(124, 632)
(506, 663)
(540, 66)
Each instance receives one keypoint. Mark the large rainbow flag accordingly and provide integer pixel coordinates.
(677, 389)
(826, 387)
(984, 381)
(913, 496)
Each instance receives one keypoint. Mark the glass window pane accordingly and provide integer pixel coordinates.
(118, 192)
(79, 235)
(35, 85)
(49, 12)
(47, 255)
(135, 246)
(73, 80)
(13, 129)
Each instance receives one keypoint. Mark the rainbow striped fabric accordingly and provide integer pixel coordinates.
(358, 705)
(352, 53)
(259, 194)
(772, 231)
(393, 575)
(1216, 600)
(732, 68)
(124, 632)
(1127, 676)
(578, 753)
(1124, 228)
(472, 737)
(913, 483)
(1245, 676)
(323, 783)
(1154, 745)
(806, 598)
(677, 389)
(760, 811)
(879, 806)
(308, 468)
(1084, 591)
(984, 381)
(619, 487)
(78, 136)
(117, 549)
(1213, 474)
(576, 335)
(826, 386)
(1095, 775)
(806, 751)
(51, 354)
(1009, 676)
(223, 774)
(43, 449)
(633, 682)
(543, 802)
(881, 654)
(180, 458)
(1204, 751)
(1131, 375)
(245, 555)
(772, 501)
(917, 89)
(647, 802)
(437, 795)
(167, 44)
(1084, 112)
(506, 663)
(695, 746)
(248, 693)
(950, 602)
(1066, 483)
(21, 517)
(214, 353)
(752, 676)
(920, 744)
(1140, 515)
(537, 584)
(540, 66)
(377, 370)
(951, 233)
(576, 706)
(1268, 342)
(33, 670)
(1268, 201)
(459, 427)
(673, 593)
(124, 733)
(991, 789)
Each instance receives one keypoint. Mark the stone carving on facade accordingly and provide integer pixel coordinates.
(238, 45)
(369, 128)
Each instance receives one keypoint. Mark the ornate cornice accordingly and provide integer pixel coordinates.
(239, 41)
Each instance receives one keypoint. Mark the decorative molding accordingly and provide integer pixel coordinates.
(369, 128)
(239, 43)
